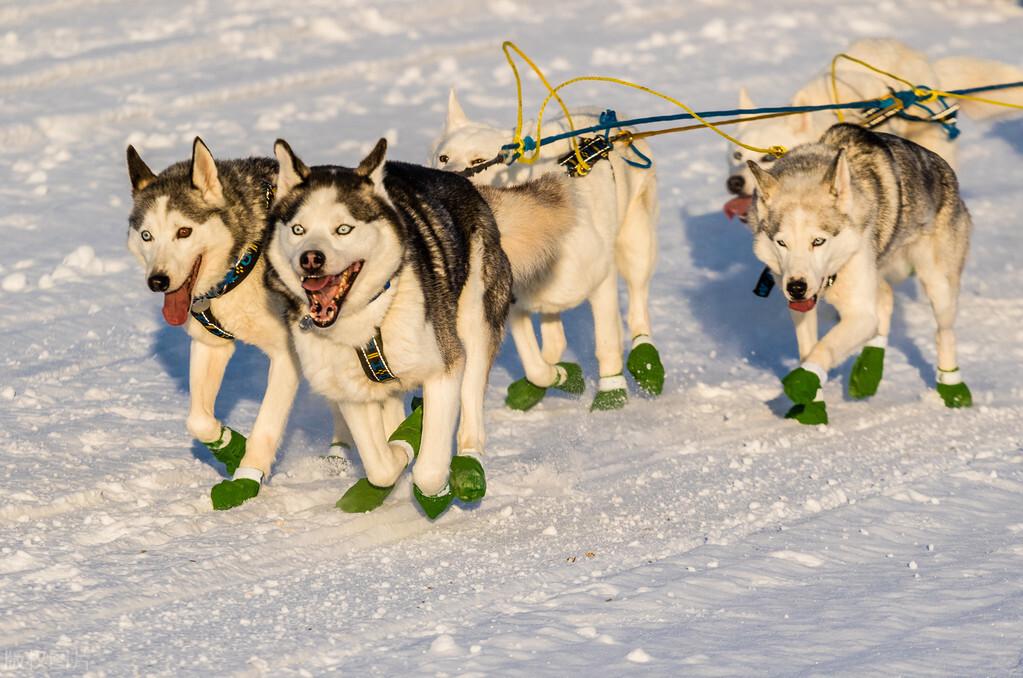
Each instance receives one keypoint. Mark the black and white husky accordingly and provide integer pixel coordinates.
(199, 230)
(396, 278)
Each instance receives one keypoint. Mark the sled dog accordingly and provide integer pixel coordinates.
(198, 228)
(840, 220)
(855, 83)
(396, 277)
(615, 221)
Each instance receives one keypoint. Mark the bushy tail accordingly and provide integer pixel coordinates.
(533, 219)
(964, 72)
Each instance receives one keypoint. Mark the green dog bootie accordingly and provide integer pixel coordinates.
(801, 385)
(228, 452)
(611, 394)
(524, 394)
(811, 414)
(433, 506)
(955, 395)
(410, 430)
(571, 381)
(867, 372)
(645, 366)
(363, 497)
(468, 480)
(231, 493)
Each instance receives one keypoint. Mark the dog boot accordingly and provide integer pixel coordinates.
(524, 394)
(435, 505)
(235, 492)
(645, 366)
(468, 481)
(410, 431)
(811, 413)
(801, 384)
(363, 497)
(612, 394)
(228, 449)
(953, 390)
(570, 379)
(867, 372)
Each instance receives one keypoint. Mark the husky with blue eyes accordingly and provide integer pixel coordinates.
(840, 220)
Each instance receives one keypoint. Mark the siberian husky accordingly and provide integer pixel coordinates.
(857, 83)
(839, 220)
(198, 228)
(615, 230)
(395, 277)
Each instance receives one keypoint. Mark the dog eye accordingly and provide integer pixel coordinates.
(737, 155)
(817, 242)
(768, 158)
(298, 229)
(146, 236)
(443, 158)
(345, 229)
(781, 243)
(478, 161)
(184, 232)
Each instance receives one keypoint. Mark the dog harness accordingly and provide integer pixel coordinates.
(373, 361)
(246, 261)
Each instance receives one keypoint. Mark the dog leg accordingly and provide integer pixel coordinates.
(382, 461)
(942, 289)
(281, 386)
(868, 369)
(806, 330)
(552, 336)
(530, 390)
(440, 412)
(612, 393)
(342, 438)
(205, 374)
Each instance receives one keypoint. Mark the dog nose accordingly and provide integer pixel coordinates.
(311, 260)
(158, 282)
(736, 183)
(796, 288)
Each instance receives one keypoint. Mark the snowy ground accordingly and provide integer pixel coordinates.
(698, 534)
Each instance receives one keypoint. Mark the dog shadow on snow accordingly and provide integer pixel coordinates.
(244, 380)
(751, 327)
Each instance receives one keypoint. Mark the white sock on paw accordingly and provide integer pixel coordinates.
(612, 383)
(248, 473)
(950, 377)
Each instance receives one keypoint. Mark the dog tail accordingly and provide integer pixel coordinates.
(533, 219)
(964, 72)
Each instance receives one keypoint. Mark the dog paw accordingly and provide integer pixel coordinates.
(468, 480)
(574, 382)
(433, 506)
(614, 399)
(801, 385)
(228, 452)
(231, 493)
(410, 430)
(955, 395)
(523, 394)
(811, 413)
(867, 372)
(363, 497)
(645, 366)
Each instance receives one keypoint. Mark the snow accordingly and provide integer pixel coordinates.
(695, 534)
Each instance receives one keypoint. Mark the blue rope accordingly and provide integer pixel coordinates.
(610, 117)
(907, 97)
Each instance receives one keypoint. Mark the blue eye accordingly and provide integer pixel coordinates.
(298, 229)
(817, 242)
(146, 236)
(345, 229)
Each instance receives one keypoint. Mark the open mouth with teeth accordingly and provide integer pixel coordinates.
(326, 293)
(177, 303)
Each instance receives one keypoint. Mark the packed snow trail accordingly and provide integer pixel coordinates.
(694, 534)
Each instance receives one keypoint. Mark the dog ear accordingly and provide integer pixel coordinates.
(745, 101)
(139, 173)
(839, 181)
(204, 174)
(801, 123)
(291, 171)
(456, 116)
(766, 183)
(372, 166)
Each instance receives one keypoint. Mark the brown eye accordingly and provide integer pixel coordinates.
(184, 232)
(444, 159)
(478, 161)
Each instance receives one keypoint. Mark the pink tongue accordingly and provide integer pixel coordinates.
(737, 207)
(803, 306)
(317, 284)
(176, 305)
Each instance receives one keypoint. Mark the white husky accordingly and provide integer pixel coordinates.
(615, 231)
(854, 82)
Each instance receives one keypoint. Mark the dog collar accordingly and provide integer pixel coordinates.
(374, 363)
(200, 308)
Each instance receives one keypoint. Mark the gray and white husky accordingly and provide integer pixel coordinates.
(396, 278)
(839, 220)
(614, 232)
(198, 228)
